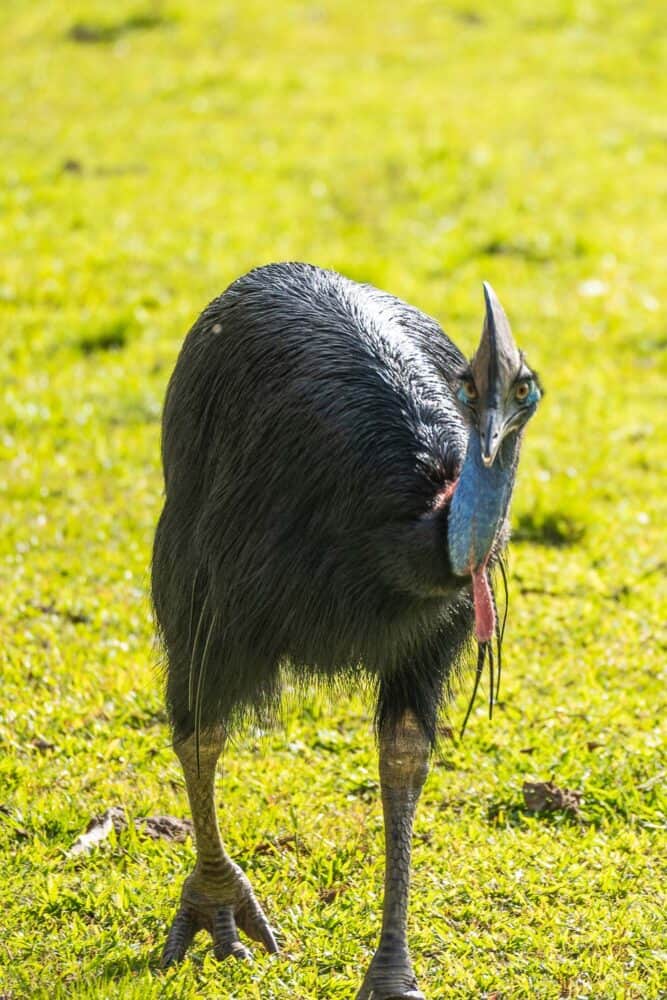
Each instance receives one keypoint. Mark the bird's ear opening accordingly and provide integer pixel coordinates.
(497, 358)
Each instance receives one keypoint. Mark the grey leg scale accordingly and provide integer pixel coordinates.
(216, 897)
(403, 769)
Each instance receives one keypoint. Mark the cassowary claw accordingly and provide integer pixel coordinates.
(222, 921)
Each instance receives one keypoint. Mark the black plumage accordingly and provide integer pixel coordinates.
(311, 430)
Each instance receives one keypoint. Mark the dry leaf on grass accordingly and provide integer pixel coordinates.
(286, 842)
(331, 893)
(156, 827)
(42, 744)
(98, 830)
(545, 796)
(165, 828)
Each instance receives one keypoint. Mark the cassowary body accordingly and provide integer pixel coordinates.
(337, 484)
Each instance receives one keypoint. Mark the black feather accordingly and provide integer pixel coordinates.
(309, 428)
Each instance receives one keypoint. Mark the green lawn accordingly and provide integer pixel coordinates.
(148, 155)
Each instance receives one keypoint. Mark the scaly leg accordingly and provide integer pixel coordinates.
(404, 760)
(217, 896)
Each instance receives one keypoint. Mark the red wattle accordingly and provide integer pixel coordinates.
(485, 616)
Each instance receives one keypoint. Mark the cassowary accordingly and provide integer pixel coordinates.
(337, 481)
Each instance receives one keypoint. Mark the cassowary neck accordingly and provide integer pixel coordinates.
(479, 504)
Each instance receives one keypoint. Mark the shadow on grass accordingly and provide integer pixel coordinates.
(98, 32)
(509, 813)
(597, 812)
(515, 248)
(112, 336)
(149, 960)
(552, 529)
(535, 251)
(118, 968)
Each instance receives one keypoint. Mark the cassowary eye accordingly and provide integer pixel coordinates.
(522, 391)
(469, 390)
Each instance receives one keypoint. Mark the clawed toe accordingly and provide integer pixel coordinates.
(251, 920)
(179, 939)
(225, 936)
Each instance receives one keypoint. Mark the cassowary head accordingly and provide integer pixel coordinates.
(498, 393)
(498, 390)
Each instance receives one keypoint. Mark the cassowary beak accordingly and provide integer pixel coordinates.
(491, 435)
(494, 368)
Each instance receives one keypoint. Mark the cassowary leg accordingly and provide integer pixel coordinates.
(216, 897)
(404, 757)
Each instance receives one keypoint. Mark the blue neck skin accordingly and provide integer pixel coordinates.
(479, 505)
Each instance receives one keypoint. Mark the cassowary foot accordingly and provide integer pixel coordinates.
(222, 919)
(390, 984)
